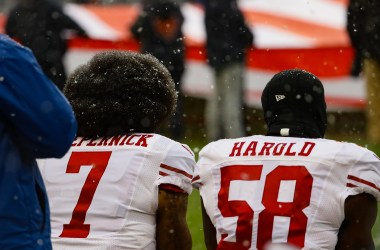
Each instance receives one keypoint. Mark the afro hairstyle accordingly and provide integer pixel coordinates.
(119, 92)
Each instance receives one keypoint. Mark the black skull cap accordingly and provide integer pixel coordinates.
(294, 93)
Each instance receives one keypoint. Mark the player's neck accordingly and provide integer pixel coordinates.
(294, 130)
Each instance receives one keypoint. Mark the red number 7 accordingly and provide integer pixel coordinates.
(98, 162)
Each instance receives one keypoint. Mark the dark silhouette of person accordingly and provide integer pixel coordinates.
(159, 30)
(41, 26)
(228, 40)
(363, 27)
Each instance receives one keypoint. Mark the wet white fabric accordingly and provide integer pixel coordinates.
(295, 187)
(103, 194)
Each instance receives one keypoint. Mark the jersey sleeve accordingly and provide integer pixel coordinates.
(177, 168)
(364, 176)
(41, 118)
(201, 171)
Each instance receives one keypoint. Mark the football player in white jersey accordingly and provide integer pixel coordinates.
(291, 186)
(121, 186)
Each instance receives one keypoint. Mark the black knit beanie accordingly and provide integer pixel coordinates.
(294, 105)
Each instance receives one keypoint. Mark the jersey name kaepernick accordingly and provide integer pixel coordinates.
(262, 189)
(103, 193)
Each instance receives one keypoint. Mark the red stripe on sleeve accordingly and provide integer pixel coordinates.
(187, 150)
(196, 178)
(170, 187)
(351, 185)
(163, 173)
(357, 179)
(176, 170)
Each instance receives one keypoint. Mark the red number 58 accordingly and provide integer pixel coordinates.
(242, 210)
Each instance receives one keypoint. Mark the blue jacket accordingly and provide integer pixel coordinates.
(36, 121)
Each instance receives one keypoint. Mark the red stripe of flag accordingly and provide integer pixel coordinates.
(364, 182)
(176, 170)
(321, 61)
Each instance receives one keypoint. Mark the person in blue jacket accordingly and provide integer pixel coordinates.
(36, 121)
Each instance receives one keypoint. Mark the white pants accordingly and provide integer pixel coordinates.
(224, 108)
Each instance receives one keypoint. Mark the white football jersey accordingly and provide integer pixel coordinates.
(103, 193)
(262, 189)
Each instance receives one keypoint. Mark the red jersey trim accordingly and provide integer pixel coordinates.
(196, 178)
(351, 185)
(196, 181)
(163, 173)
(176, 170)
(170, 187)
(357, 179)
(187, 150)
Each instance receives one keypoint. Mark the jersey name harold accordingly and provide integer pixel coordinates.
(129, 140)
(254, 148)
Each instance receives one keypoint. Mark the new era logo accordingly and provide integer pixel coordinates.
(279, 97)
